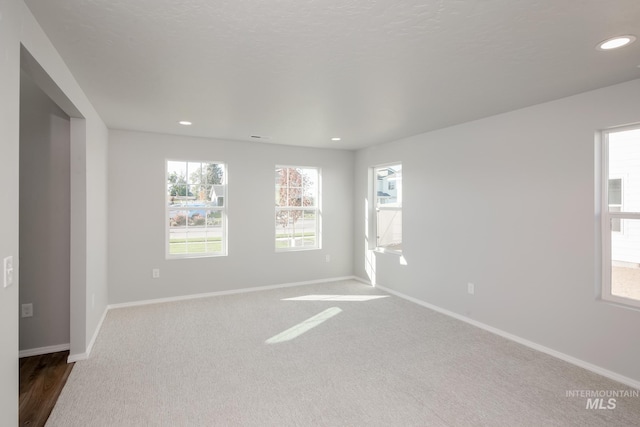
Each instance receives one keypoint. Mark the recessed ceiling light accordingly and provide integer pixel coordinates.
(185, 123)
(336, 139)
(616, 42)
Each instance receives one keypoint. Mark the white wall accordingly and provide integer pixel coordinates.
(17, 26)
(44, 218)
(508, 203)
(137, 218)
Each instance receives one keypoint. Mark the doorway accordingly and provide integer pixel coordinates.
(44, 234)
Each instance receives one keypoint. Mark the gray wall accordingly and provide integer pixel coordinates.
(137, 217)
(44, 217)
(508, 203)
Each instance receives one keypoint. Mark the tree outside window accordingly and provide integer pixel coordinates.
(297, 214)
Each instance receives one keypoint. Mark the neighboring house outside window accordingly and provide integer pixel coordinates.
(196, 209)
(388, 207)
(620, 171)
(297, 212)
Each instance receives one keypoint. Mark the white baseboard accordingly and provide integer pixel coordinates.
(551, 352)
(228, 292)
(83, 356)
(77, 356)
(361, 280)
(43, 350)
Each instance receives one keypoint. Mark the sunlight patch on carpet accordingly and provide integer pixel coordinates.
(305, 326)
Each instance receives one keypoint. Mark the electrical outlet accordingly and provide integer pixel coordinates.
(471, 288)
(327, 258)
(8, 271)
(27, 310)
(155, 273)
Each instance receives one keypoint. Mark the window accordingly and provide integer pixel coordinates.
(615, 202)
(388, 207)
(621, 216)
(297, 208)
(196, 209)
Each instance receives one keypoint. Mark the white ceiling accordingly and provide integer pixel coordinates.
(303, 71)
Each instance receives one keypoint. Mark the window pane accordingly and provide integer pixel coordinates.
(616, 224)
(389, 185)
(296, 189)
(294, 197)
(179, 191)
(204, 193)
(310, 179)
(310, 194)
(213, 236)
(177, 168)
(389, 229)
(213, 173)
(284, 229)
(281, 186)
(625, 260)
(214, 219)
(615, 192)
(196, 218)
(309, 227)
(194, 170)
(388, 193)
(192, 193)
(624, 161)
(177, 231)
(195, 232)
(177, 218)
(281, 176)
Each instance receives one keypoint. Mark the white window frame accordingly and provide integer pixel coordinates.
(384, 207)
(222, 209)
(316, 208)
(606, 217)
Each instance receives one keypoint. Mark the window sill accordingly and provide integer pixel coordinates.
(387, 251)
(194, 256)
(621, 302)
(278, 251)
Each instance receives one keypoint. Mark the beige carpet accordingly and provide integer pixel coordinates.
(337, 354)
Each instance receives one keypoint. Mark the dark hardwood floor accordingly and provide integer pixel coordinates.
(41, 381)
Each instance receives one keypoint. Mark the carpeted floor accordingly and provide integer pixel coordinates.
(336, 354)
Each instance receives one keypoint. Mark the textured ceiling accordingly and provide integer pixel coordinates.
(303, 71)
